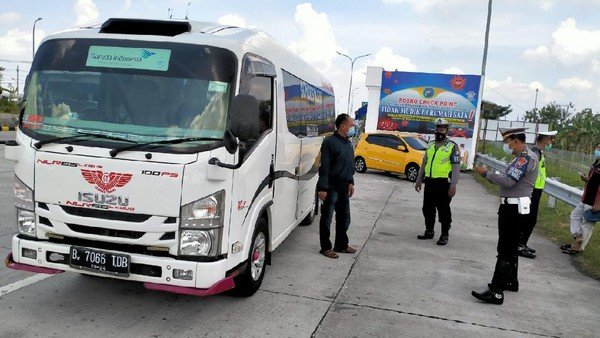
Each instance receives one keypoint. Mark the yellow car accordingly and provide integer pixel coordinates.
(390, 151)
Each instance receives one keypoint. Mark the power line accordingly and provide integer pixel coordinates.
(507, 99)
(14, 61)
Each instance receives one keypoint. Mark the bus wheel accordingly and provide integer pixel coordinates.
(249, 280)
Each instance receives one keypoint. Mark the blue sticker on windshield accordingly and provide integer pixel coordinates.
(217, 86)
(128, 58)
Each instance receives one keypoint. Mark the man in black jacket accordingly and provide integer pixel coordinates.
(336, 186)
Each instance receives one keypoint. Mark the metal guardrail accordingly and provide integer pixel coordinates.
(554, 188)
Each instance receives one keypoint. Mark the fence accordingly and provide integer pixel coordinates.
(570, 160)
(554, 188)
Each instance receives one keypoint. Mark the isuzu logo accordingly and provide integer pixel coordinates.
(106, 182)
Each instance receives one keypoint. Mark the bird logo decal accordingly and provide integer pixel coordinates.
(105, 182)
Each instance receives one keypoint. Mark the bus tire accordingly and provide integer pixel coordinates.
(249, 280)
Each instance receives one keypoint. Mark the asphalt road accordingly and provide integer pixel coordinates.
(394, 286)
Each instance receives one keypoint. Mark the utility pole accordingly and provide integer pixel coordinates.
(17, 82)
(484, 60)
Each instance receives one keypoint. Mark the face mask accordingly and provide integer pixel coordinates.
(548, 147)
(597, 152)
(440, 136)
(507, 149)
(351, 131)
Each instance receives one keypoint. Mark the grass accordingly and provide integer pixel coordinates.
(553, 223)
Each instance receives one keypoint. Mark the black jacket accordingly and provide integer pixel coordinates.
(337, 162)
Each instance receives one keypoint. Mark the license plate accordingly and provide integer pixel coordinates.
(100, 261)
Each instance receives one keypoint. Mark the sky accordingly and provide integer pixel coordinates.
(548, 46)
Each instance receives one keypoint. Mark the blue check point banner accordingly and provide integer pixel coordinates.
(411, 102)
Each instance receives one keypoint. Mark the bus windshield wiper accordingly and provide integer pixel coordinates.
(39, 144)
(115, 151)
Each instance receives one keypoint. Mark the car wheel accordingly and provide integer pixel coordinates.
(249, 280)
(412, 172)
(360, 165)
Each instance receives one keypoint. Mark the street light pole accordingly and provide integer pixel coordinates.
(353, 94)
(33, 39)
(351, 73)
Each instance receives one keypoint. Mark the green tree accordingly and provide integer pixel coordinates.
(553, 114)
(581, 132)
(492, 111)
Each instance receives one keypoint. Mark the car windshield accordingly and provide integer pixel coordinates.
(138, 91)
(416, 143)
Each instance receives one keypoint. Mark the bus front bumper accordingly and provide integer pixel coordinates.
(156, 273)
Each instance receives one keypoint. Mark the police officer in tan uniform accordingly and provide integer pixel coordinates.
(516, 186)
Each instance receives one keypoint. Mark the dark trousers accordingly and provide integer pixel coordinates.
(509, 224)
(531, 219)
(435, 196)
(337, 200)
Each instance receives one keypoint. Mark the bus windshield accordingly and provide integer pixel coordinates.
(138, 91)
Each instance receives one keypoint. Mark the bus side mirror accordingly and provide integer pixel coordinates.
(243, 117)
(230, 142)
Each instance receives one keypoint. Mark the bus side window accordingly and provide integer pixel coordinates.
(262, 88)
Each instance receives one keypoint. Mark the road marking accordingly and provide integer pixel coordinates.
(23, 283)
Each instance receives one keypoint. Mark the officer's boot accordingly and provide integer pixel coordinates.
(444, 237)
(427, 235)
(494, 294)
(525, 251)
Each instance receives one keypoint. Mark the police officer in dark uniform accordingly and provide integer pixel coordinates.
(439, 171)
(516, 186)
(542, 142)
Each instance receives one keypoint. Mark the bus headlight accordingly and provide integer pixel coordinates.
(195, 243)
(23, 195)
(26, 222)
(25, 208)
(201, 225)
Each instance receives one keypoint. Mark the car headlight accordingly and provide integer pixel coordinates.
(200, 226)
(23, 195)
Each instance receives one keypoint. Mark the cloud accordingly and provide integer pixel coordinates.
(571, 46)
(317, 44)
(575, 83)
(453, 70)
(386, 58)
(126, 5)
(16, 44)
(537, 54)
(520, 95)
(427, 5)
(233, 20)
(545, 4)
(9, 17)
(86, 12)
